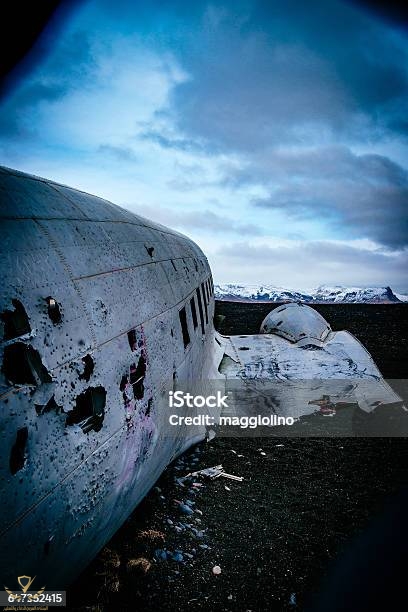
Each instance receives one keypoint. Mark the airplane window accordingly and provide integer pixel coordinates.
(205, 303)
(200, 309)
(193, 312)
(184, 328)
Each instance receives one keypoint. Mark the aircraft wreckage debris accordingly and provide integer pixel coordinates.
(212, 473)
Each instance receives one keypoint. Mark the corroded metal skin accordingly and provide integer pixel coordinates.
(92, 334)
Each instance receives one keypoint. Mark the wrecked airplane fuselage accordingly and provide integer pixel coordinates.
(96, 307)
(102, 312)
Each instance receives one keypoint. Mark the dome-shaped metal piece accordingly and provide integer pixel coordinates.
(297, 322)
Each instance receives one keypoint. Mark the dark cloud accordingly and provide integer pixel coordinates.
(70, 66)
(365, 194)
(269, 75)
(266, 73)
(25, 47)
(283, 90)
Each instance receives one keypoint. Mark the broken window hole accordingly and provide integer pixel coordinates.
(89, 367)
(50, 406)
(15, 321)
(54, 311)
(150, 250)
(132, 339)
(136, 377)
(89, 410)
(244, 348)
(18, 455)
(149, 407)
(22, 365)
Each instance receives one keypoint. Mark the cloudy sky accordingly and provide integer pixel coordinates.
(275, 134)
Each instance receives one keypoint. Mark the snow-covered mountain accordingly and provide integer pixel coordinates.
(355, 294)
(324, 293)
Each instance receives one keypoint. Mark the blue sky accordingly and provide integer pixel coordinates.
(272, 133)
